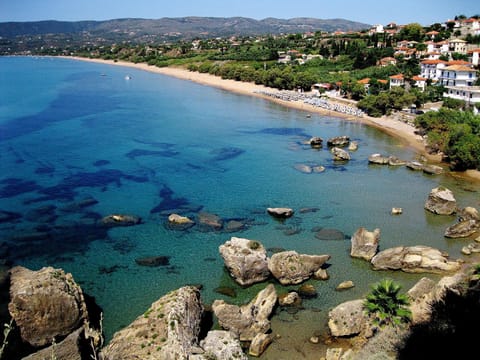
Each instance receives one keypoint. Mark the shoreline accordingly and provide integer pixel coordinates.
(394, 128)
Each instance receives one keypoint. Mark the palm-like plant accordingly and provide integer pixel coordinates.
(387, 305)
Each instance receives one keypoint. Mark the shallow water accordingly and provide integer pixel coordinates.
(71, 131)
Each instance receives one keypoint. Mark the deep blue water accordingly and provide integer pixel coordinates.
(78, 142)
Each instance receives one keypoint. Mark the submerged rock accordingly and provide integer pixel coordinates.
(281, 212)
(209, 222)
(45, 304)
(169, 329)
(246, 260)
(441, 201)
(120, 220)
(153, 261)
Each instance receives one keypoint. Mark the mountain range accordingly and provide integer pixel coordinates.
(167, 29)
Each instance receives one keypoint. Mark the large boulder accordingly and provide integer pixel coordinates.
(365, 243)
(246, 260)
(316, 142)
(414, 259)
(340, 154)
(441, 201)
(462, 229)
(220, 344)
(45, 304)
(378, 159)
(248, 320)
(338, 141)
(290, 267)
(281, 212)
(348, 319)
(168, 330)
(70, 348)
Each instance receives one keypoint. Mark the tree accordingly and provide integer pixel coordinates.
(387, 305)
(412, 32)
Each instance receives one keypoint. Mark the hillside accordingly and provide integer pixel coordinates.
(166, 29)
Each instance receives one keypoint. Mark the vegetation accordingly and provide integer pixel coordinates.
(387, 305)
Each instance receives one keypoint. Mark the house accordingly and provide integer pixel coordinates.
(365, 82)
(420, 82)
(475, 56)
(432, 69)
(469, 94)
(397, 80)
(387, 61)
(457, 46)
(432, 34)
(458, 75)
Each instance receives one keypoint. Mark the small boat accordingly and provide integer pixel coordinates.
(128, 77)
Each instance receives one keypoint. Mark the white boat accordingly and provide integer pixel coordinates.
(128, 77)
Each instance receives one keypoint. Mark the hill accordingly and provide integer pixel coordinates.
(167, 29)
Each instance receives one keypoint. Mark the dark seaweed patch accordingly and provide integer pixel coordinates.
(284, 131)
(8, 216)
(162, 145)
(101, 162)
(16, 187)
(43, 170)
(169, 201)
(226, 153)
(141, 152)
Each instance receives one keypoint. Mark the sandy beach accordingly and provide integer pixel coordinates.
(395, 128)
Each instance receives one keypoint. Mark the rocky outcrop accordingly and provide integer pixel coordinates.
(441, 201)
(70, 348)
(281, 212)
(290, 267)
(347, 319)
(168, 330)
(432, 169)
(220, 344)
(414, 259)
(178, 222)
(153, 261)
(45, 304)
(394, 161)
(246, 260)
(462, 229)
(353, 146)
(120, 220)
(259, 344)
(365, 243)
(378, 159)
(338, 141)
(414, 165)
(248, 320)
(340, 154)
(316, 142)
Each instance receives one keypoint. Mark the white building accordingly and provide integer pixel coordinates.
(469, 94)
(458, 46)
(397, 80)
(458, 75)
(475, 57)
(432, 69)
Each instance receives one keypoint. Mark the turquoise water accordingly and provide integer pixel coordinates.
(71, 131)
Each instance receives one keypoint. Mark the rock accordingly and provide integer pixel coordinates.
(291, 268)
(281, 213)
(469, 213)
(321, 274)
(338, 141)
(246, 260)
(70, 348)
(153, 261)
(304, 168)
(169, 329)
(441, 201)
(178, 222)
(289, 299)
(316, 142)
(432, 169)
(259, 344)
(209, 222)
(345, 285)
(414, 165)
(220, 344)
(329, 234)
(414, 259)
(334, 354)
(365, 243)
(396, 211)
(340, 154)
(248, 320)
(307, 291)
(462, 229)
(234, 226)
(347, 319)
(45, 304)
(120, 220)
(318, 169)
(353, 146)
(378, 159)
(394, 161)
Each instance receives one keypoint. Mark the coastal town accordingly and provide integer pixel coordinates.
(417, 83)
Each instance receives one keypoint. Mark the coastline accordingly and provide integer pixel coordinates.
(395, 128)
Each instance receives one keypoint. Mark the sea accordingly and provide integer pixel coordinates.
(80, 141)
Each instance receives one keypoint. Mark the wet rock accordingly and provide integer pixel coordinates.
(307, 291)
(209, 222)
(259, 344)
(340, 154)
(441, 201)
(304, 168)
(462, 229)
(316, 142)
(414, 165)
(291, 268)
(281, 213)
(153, 261)
(246, 260)
(365, 243)
(338, 141)
(345, 285)
(321, 274)
(178, 222)
(394, 161)
(469, 213)
(353, 146)
(415, 259)
(169, 329)
(432, 169)
(45, 304)
(378, 159)
(248, 320)
(289, 299)
(120, 220)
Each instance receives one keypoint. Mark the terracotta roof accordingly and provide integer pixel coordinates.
(397, 77)
(433, 62)
(474, 50)
(458, 62)
(364, 81)
(419, 78)
(459, 68)
(382, 81)
(432, 33)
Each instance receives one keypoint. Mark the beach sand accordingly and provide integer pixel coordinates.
(395, 128)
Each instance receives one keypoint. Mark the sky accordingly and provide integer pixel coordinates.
(425, 12)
